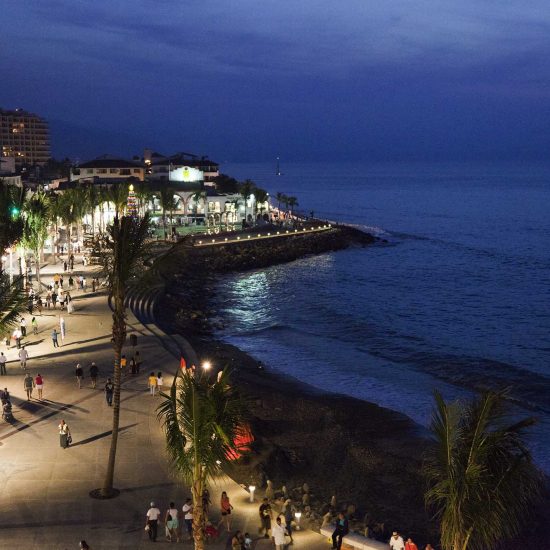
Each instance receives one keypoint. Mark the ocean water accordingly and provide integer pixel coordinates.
(457, 300)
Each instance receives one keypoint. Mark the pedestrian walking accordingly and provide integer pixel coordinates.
(17, 335)
(187, 510)
(172, 523)
(54, 299)
(48, 299)
(93, 285)
(278, 534)
(152, 381)
(23, 356)
(71, 282)
(39, 305)
(137, 359)
(133, 369)
(151, 525)
(23, 326)
(84, 283)
(160, 382)
(65, 438)
(65, 266)
(206, 503)
(123, 363)
(28, 385)
(34, 324)
(225, 508)
(247, 541)
(410, 545)
(79, 373)
(94, 371)
(288, 515)
(39, 383)
(265, 517)
(54, 338)
(2, 364)
(62, 328)
(109, 390)
(396, 542)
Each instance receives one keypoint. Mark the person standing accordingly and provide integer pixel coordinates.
(62, 328)
(265, 517)
(172, 523)
(34, 324)
(39, 383)
(278, 534)
(225, 508)
(17, 335)
(137, 359)
(94, 371)
(342, 529)
(23, 326)
(2, 364)
(188, 517)
(396, 542)
(28, 384)
(410, 545)
(109, 390)
(54, 338)
(288, 515)
(39, 305)
(64, 434)
(23, 356)
(79, 373)
(70, 304)
(54, 299)
(160, 382)
(152, 381)
(151, 524)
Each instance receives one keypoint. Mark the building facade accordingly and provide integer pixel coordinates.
(107, 168)
(25, 137)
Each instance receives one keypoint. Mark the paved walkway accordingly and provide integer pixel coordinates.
(44, 501)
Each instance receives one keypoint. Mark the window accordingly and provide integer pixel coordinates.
(113, 171)
(102, 170)
(137, 170)
(125, 171)
(89, 171)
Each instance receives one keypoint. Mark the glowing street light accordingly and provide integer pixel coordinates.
(298, 515)
(206, 365)
(252, 488)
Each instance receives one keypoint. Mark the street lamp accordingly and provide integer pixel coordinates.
(298, 515)
(252, 488)
(206, 365)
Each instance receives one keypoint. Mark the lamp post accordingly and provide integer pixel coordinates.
(298, 515)
(252, 488)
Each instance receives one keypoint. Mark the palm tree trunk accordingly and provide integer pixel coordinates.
(119, 329)
(69, 240)
(37, 269)
(198, 510)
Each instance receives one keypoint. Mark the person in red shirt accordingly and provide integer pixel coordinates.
(410, 545)
(39, 382)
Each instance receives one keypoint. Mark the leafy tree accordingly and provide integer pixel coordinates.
(93, 200)
(261, 196)
(144, 195)
(35, 230)
(196, 198)
(202, 419)
(482, 481)
(125, 247)
(292, 202)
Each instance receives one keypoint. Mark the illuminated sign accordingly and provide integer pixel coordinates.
(186, 173)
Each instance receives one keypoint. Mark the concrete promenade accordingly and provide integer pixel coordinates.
(44, 500)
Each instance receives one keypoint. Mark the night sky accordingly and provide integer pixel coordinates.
(252, 79)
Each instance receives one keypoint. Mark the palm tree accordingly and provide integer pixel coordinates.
(11, 223)
(482, 481)
(262, 196)
(12, 303)
(197, 197)
(70, 208)
(35, 231)
(144, 195)
(202, 419)
(117, 194)
(93, 200)
(280, 199)
(291, 202)
(246, 190)
(166, 199)
(125, 247)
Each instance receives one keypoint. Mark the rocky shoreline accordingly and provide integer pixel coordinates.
(349, 454)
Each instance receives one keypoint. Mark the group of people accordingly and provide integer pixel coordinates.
(396, 542)
(155, 383)
(173, 530)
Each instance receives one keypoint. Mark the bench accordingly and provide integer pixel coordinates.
(354, 540)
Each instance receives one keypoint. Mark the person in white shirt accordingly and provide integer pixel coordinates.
(2, 363)
(278, 534)
(151, 524)
(172, 524)
(396, 542)
(23, 356)
(188, 516)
